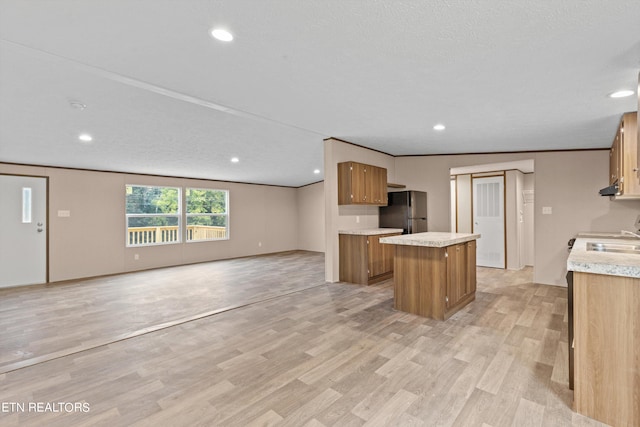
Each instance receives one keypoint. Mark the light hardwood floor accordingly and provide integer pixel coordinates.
(264, 341)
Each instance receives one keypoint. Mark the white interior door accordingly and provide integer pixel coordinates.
(23, 227)
(488, 220)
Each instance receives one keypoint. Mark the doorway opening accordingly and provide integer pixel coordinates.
(516, 217)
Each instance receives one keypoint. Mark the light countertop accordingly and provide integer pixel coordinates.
(609, 263)
(371, 231)
(431, 239)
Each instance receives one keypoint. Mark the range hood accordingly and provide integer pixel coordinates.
(611, 190)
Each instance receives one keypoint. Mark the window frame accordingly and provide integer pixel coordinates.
(178, 215)
(187, 215)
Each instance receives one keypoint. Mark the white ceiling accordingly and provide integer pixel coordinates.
(163, 97)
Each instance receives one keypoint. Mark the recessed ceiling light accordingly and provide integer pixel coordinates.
(77, 105)
(85, 137)
(235, 160)
(222, 35)
(622, 94)
(439, 126)
(316, 171)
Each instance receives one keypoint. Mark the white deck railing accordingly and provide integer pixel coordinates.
(137, 236)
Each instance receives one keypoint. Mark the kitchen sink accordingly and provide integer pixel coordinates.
(623, 248)
(607, 236)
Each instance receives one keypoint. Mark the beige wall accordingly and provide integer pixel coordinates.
(463, 195)
(568, 182)
(311, 217)
(91, 242)
(514, 219)
(529, 213)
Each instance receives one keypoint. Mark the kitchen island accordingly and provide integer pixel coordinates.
(434, 272)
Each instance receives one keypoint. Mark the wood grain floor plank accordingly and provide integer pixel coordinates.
(388, 413)
(528, 414)
(268, 419)
(497, 371)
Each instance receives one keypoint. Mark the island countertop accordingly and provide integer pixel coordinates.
(430, 239)
(371, 231)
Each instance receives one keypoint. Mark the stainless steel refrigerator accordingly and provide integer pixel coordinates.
(406, 210)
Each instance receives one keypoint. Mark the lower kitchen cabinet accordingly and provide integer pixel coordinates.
(364, 260)
(606, 319)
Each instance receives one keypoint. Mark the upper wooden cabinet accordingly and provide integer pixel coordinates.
(623, 160)
(360, 184)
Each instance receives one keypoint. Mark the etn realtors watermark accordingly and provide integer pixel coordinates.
(45, 407)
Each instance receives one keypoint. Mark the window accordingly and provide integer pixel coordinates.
(153, 215)
(207, 214)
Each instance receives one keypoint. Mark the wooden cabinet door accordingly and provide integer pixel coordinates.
(377, 185)
(344, 183)
(359, 182)
(456, 274)
(351, 183)
(614, 160)
(471, 267)
(380, 256)
(628, 167)
(353, 258)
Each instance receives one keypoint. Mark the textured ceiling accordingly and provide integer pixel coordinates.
(165, 98)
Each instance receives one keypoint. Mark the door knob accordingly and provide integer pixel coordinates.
(39, 230)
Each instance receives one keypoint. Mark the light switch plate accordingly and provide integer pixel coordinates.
(64, 213)
(547, 210)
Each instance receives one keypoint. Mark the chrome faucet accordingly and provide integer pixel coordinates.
(630, 233)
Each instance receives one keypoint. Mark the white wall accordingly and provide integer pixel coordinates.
(91, 242)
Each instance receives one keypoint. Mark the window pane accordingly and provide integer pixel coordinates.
(26, 205)
(152, 230)
(152, 221)
(152, 200)
(206, 201)
(206, 227)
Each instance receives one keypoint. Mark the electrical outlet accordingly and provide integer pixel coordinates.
(547, 210)
(259, 244)
(136, 257)
(357, 219)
